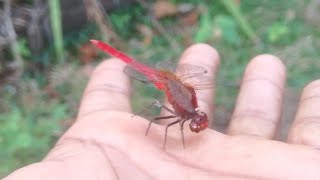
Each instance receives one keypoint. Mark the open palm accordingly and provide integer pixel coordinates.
(106, 142)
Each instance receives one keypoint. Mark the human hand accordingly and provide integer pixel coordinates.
(106, 142)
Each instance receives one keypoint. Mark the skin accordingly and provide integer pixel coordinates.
(106, 142)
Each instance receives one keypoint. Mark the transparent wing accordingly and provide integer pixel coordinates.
(194, 75)
(207, 82)
(166, 65)
(200, 82)
(183, 71)
(186, 71)
(211, 84)
(137, 75)
(198, 78)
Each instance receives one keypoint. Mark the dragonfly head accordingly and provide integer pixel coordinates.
(199, 122)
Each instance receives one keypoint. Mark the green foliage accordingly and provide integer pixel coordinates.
(224, 25)
(238, 15)
(26, 134)
(284, 33)
(228, 28)
(276, 32)
(122, 20)
(23, 48)
(68, 80)
(74, 39)
(204, 32)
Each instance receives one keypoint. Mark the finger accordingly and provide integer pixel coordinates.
(108, 89)
(306, 126)
(207, 57)
(258, 106)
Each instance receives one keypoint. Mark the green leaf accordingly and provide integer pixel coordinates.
(23, 140)
(239, 16)
(23, 48)
(228, 27)
(276, 32)
(204, 32)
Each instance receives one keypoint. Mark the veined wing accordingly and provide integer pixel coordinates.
(187, 71)
(183, 71)
(154, 77)
(198, 78)
(194, 75)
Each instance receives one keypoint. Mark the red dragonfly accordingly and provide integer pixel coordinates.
(180, 94)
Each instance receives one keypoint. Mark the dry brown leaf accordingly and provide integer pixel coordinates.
(164, 9)
(190, 18)
(51, 92)
(87, 53)
(146, 32)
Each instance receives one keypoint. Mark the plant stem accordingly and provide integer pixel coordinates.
(244, 24)
(55, 17)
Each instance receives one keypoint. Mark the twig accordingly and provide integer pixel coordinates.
(35, 34)
(17, 64)
(97, 13)
(173, 43)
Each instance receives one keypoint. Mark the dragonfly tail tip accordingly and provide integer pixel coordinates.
(93, 41)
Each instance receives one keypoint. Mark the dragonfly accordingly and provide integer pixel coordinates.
(179, 92)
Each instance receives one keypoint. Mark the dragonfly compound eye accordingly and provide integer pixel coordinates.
(199, 122)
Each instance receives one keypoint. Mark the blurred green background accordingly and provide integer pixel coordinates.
(45, 63)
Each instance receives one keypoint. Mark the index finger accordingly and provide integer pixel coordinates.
(108, 89)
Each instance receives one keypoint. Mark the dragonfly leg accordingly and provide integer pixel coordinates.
(166, 132)
(181, 128)
(157, 104)
(158, 118)
(182, 135)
